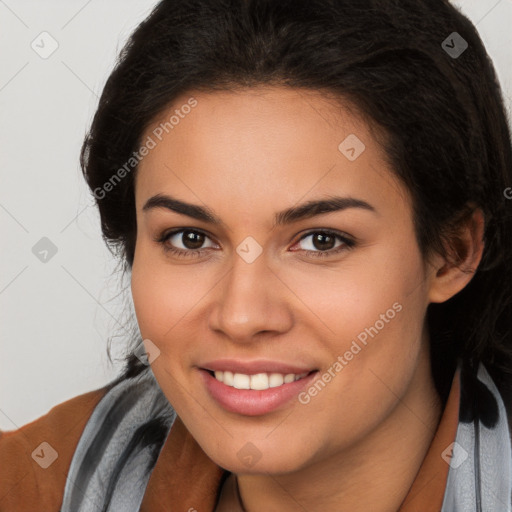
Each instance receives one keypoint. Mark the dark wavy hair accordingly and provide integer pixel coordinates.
(442, 115)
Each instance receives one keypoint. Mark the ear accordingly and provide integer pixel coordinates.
(450, 274)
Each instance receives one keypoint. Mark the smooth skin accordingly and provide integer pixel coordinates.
(246, 155)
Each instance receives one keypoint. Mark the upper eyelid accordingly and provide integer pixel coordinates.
(171, 232)
(340, 235)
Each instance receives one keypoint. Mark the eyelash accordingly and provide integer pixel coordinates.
(348, 243)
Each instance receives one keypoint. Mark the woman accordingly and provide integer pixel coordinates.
(310, 198)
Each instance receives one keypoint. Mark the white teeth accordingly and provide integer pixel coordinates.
(275, 379)
(227, 378)
(241, 381)
(258, 381)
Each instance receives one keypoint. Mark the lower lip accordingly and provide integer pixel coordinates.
(251, 402)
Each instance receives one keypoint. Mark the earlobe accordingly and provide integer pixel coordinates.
(453, 272)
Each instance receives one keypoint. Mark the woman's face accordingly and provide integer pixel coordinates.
(253, 290)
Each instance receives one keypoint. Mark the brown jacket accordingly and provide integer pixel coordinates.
(35, 459)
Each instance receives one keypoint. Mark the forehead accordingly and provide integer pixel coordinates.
(261, 146)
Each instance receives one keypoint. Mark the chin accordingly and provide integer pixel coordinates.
(252, 461)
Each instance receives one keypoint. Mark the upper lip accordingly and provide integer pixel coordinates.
(253, 367)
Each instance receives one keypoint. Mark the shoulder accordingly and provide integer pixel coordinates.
(34, 459)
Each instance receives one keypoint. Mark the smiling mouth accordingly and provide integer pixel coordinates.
(257, 392)
(258, 381)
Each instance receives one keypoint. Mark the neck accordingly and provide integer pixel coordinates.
(376, 474)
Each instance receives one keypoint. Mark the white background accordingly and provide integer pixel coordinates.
(56, 317)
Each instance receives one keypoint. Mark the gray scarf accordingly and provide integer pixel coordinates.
(123, 437)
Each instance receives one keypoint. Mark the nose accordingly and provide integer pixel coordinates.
(250, 301)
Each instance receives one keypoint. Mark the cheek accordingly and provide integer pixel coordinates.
(151, 294)
(148, 294)
(165, 297)
(368, 314)
(343, 300)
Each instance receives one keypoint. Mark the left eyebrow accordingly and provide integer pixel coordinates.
(190, 210)
(317, 207)
(290, 215)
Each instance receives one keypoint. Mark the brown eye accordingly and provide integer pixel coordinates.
(324, 243)
(192, 239)
(185, 242)
(320, 240)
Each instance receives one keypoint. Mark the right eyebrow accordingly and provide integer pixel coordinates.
(290, 215)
